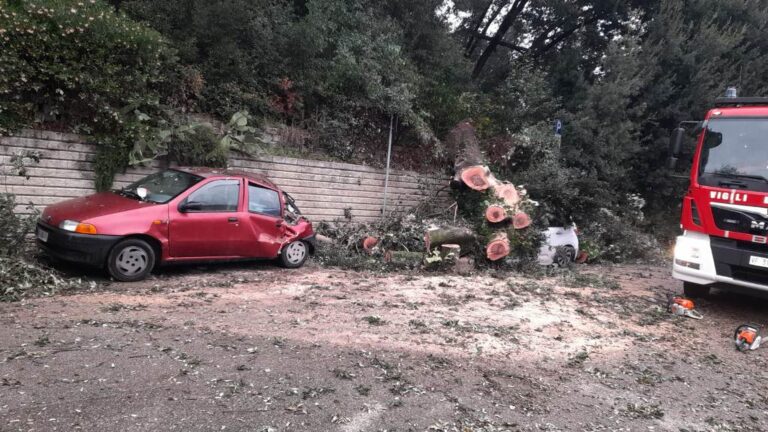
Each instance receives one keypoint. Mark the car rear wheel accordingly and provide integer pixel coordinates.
(294, 254)
(692, 290)
(131, 260)
(564, 256)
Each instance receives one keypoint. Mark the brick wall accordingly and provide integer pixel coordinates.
(323, 190)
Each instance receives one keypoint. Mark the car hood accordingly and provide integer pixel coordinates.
(90, 207)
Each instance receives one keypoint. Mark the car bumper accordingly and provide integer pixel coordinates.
(695, 262)
(86, 249)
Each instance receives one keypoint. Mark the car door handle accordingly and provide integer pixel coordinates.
(232, 219)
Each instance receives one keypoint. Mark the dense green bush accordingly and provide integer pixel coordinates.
(80, 65)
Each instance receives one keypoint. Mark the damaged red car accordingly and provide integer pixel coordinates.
(178, 216)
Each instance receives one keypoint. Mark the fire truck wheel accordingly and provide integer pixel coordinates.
(693, 290)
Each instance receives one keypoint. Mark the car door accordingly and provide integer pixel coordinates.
(206, 223)
(265, 214)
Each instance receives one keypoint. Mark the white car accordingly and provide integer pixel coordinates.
(561, 246)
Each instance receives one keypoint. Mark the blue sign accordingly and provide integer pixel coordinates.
(558, 127)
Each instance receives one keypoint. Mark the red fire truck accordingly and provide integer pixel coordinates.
(725, 210)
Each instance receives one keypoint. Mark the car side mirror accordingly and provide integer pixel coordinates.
(188, 206)
(675, 147)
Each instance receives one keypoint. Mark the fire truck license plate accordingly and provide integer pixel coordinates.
(758, 261)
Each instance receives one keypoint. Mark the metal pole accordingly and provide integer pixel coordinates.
(389, 156)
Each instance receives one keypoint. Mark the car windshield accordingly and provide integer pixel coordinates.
(735, 148)
(161, 187)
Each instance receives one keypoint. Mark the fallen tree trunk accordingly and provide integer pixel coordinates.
(477, 177)
(521, 220)
(463, 237)
(403, 257)
(498, 246)
(508, 193)
(495, 213)
(447, 250)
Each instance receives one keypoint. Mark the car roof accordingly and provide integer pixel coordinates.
(259, 179)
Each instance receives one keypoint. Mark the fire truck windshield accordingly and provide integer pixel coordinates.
(735, 153)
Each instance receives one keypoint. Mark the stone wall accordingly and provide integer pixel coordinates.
(323, 190)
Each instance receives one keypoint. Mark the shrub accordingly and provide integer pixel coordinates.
(77, 62)
(81, 65)
(13, 228)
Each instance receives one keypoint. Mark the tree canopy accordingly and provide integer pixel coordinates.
(618, 74)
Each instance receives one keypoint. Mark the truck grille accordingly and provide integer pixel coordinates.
(732, 259)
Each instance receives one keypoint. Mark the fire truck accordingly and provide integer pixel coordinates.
(725, 210)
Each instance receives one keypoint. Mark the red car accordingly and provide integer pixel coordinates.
(178, 216)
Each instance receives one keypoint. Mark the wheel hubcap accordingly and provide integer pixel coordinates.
(132, 260)
(295, 252)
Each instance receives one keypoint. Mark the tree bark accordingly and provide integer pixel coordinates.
(403, 257)
(448, 249)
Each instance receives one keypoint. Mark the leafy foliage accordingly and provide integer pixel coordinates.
(618, 74)
(19, 274)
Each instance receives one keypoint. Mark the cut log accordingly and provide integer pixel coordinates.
(403, 258)
(476, 177)
(495, 213)
(450, 249)
(521, 220)
(508, 193)
(582, 257)
(498, 246)
(324, 239)
(369, 243)
(463, 237)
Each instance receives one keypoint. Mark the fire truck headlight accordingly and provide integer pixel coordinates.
(687, 255)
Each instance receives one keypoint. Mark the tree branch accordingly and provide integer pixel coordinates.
(493, 43)
(477, 25)
(471, 49)
(503, 43)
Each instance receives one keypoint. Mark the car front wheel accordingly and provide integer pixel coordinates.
(131, 260)
(294, 254)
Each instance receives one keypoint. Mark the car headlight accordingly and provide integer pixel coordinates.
(74, 226)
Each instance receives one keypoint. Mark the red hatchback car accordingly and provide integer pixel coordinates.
(178, 216)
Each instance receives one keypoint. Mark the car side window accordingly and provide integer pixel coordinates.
(263, 200)
(216, 196)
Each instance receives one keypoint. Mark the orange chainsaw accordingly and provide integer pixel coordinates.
(683, 307)
(747, 337)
